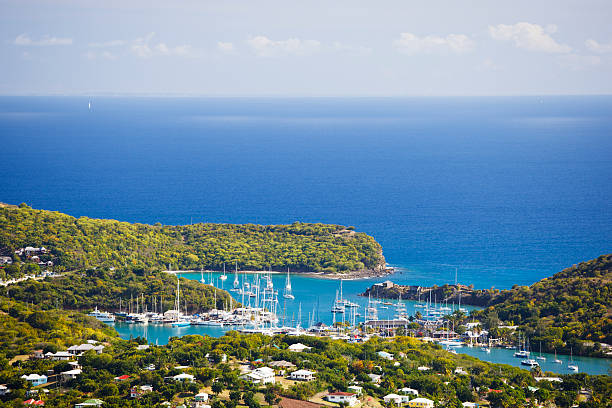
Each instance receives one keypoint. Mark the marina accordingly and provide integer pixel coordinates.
(310, 311)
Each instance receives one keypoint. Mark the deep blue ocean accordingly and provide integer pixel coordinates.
(508, 190)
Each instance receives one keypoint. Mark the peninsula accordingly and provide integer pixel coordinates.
(80, 243)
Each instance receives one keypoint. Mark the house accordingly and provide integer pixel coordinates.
(89, 403)
(469, 405)
(339, 397)
(212, 358)
(282, 366)
(6, 260)
(261, 375)
(4, 390)
(409, 391)
(375, 378)
(137, 392)
(385, 355)
(82, 348)
(37, 354)
(70, 374)
(201, 397)
(302, 375)
(423, 368)
(141, 347)
(396, 399)
(460, 371)
(421, 403)
(59, 356)
(35, 379)
(33, 402)
(355, 389)
(183, 377)
(298, 347)
(122, 377)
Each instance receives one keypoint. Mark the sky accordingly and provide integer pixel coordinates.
(305, 48)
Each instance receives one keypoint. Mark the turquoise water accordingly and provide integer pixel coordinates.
(314, 293)
(587, 365)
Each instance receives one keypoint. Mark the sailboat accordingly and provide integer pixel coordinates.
(572, 366)
(236, 281)
(202, 276)
(556, 360)
(338, 306)
(224, 276)
(288, 294)
(180, 321)
(541, 357)
(89, 105)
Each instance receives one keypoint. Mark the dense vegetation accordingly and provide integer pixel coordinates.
(104, 288)
(570, 310)
(24, 328)
(337, 364)
(85, 242)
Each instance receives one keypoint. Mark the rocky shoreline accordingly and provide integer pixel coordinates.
(467, 295)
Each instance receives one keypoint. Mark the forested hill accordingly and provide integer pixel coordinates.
(78, 243)
(571, 309)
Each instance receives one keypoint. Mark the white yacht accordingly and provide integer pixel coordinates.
(105, 317)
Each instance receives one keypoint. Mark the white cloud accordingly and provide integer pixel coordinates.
(46, 40)
(113, 43)
(90, 55)
(577, 62)
(143, 48)
(411, 44)
(226, 47)
(265, 47)
(354, 50)
(532, 37)
(598, 47)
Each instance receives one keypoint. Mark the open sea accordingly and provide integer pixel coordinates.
(508, 190)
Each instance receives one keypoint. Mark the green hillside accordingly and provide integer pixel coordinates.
(571, 309)
(79, 243)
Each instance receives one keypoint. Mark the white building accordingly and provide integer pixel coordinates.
(4, 390)
(385, 355)
(183, 377)
(262, 375)
(298, 347)
(409, 391)
(137, 392)
(339, 397)
(356, 389)
(70, 374)
(396, 399)
(59, 356)
(421, 403)
(82, 348)
(35, 379)
(460, 371)
(302, 375)
(469, 405)
(375, 378)
(201, 397)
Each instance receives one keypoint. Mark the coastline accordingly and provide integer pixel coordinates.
(351, 275)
